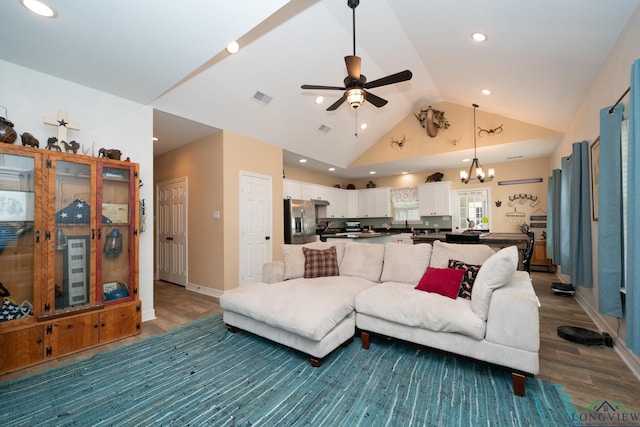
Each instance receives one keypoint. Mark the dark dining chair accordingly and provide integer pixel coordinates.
(462, 238)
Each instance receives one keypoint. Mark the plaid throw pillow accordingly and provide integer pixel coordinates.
(470, 273)
(320, 263)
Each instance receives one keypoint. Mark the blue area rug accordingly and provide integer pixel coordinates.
(202, 375)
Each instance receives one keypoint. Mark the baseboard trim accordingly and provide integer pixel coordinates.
(619, 345)
(148, 315)
(216, 293)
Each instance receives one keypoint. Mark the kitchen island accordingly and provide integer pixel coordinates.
(495, 240)
(361, 236)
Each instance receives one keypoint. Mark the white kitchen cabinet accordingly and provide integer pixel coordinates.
(366, 203)
(402, 238)
(352, 203)
(374, 203)
(291, 189)
(314, 192)
(434, 199)
(382, 202)
(337, 199)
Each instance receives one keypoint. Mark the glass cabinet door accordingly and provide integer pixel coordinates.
(19, 251)
(73, 230)
(116, 250)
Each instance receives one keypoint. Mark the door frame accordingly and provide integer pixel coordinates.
(241, 218)
(455, 214)
(184, 179)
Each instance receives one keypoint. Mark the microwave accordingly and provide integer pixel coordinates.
(352, 226)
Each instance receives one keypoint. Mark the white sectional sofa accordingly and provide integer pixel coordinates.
(375, 293)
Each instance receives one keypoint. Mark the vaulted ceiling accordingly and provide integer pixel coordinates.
(539, 60)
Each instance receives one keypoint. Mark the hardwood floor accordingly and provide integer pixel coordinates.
(587, 373)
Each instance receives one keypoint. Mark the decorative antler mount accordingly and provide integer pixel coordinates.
(398, 142)
(432, 120)
(490, 132)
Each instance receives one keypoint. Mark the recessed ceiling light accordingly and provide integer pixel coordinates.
(466, 160)
(372, 173)
(155, 138)
(39, 8)
(319, 100)
(332, 169)
(363, 126)
(479, 37)
(485, 91)
(405, 172)
(233, 47)
(303, 160)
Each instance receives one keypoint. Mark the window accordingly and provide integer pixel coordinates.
(472, 205)
(404, 202)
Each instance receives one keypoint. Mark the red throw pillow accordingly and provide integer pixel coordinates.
(443, 281)
(320, 263)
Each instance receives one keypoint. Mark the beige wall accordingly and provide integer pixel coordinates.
(242, 153)
(212, 166)
(613, 80)
(419, 144)
(300, 174)
(201, 163)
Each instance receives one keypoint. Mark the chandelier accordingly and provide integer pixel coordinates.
(479, 175)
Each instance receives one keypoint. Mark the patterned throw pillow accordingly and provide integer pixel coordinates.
(470, 273)
(320, 263)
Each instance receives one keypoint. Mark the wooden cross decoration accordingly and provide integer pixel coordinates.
(63, 124)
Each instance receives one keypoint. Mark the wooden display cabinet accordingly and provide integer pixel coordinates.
(68, 254)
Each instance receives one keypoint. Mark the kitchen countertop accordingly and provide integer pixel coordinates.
(360, 235)
(492, 239)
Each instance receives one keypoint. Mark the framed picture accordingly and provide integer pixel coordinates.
(118, 213)
(595, 177)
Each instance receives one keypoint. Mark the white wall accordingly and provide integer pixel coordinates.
(105, 121)
(610, 84)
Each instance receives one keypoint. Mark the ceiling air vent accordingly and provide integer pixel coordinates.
(262, 98)
(324, 129)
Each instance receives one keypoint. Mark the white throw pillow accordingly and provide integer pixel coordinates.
(293, 257)
(405, 263)
(442, 252)
(494, 273)
(363, 260)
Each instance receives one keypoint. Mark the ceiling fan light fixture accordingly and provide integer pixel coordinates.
(355, 97)
(486, 91)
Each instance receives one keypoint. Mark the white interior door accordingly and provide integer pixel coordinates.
(255, 225)
(172, 231)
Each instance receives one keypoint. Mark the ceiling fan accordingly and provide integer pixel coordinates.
(355, 84)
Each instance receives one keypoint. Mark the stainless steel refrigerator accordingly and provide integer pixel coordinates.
(299, 221)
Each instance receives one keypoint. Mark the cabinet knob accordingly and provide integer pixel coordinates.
(169, 238)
